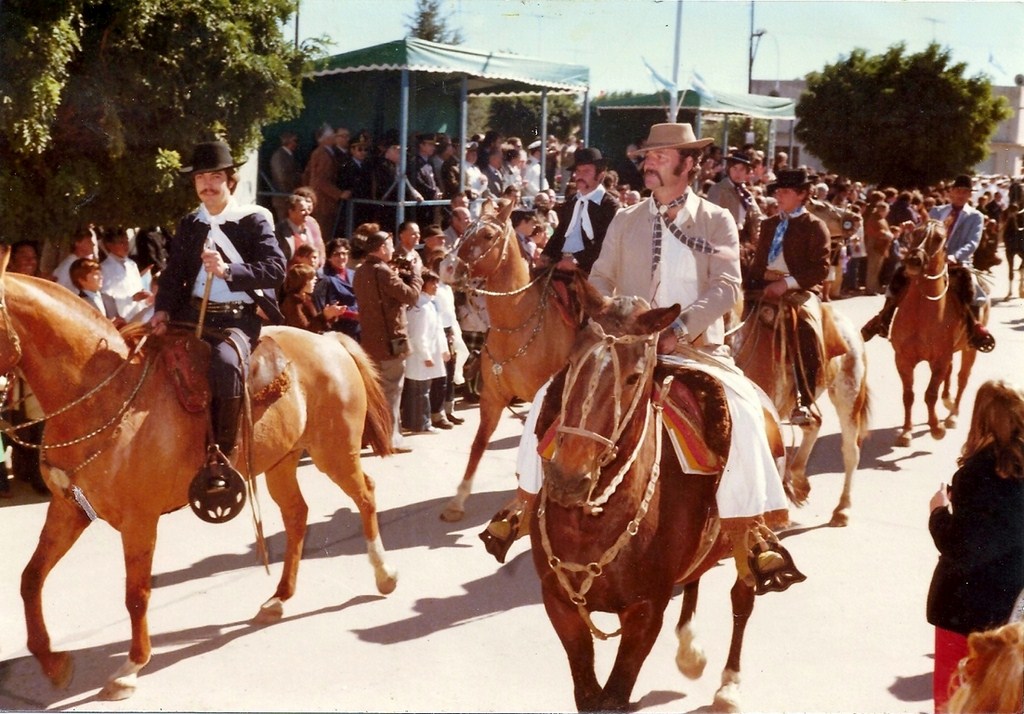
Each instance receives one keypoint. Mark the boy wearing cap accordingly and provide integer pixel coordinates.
(235, 248)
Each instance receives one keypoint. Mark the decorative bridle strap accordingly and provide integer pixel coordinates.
(605, 344)
(938, 252)
(565, 571)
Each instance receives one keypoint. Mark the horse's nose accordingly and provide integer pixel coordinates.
(565, 489)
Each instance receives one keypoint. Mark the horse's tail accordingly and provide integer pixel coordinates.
(377, 427)
(862, 406)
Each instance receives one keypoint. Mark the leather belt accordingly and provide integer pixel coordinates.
(773, 275)
(222, 308)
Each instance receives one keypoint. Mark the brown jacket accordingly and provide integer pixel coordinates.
(382, 296)
(805, 248)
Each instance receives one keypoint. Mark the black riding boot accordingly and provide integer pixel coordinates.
(978, 335)
(225, 413)
(806, 375)
(879, 324)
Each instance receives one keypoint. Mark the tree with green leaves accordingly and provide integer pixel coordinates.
(427, 23)
(905, 120)
(100, 100)
(520, 116)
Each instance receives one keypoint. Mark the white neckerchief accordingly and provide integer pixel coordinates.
(220, 291)
(580, 221)
(676, 281)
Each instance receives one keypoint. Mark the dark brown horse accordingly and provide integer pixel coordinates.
(118, 446)
(529, 338)
(618, 524)
(929, 327)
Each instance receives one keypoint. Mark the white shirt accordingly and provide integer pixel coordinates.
(580, 221)
(121, 280)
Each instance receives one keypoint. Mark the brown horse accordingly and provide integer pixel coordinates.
(618, 524)
(528, 340)
(118, 446)
(764, 355)
(929, 327)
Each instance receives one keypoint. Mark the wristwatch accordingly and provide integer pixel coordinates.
(227, 274)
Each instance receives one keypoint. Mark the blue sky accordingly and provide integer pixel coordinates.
(614, 37)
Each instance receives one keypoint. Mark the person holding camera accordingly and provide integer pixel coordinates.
(383, 296)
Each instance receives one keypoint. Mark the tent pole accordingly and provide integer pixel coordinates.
(403, 141)
(543, 139)
(586, 117)
(463, 128)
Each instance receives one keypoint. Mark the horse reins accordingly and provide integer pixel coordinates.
(929, 232)
(605, 344)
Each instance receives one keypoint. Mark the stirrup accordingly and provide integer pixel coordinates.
(981, 340)
(217, 491)
(505, 528)
(770, 563)
(802, 416)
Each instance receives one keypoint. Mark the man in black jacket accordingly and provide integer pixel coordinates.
(582, 221)
(235, 248)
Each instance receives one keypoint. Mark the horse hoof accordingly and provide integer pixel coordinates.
(938, 432)
(60, 670)
(949, 422)
(840, 519)
(387, 581)
(903, 440)
(451, 514)
(270, 612)
(115, 691)
(727, 698)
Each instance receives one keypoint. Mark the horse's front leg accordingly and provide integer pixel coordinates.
(690, 657)
(641, 624)
(967, 358)
(64, 523)
(577, 642)
(727, 698)
(138, 539)
(491, 405)
(940, 373)
(906, 373)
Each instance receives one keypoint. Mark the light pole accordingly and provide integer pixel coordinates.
(758, 34)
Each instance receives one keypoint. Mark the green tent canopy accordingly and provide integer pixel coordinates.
(487, 73)
(753, 105)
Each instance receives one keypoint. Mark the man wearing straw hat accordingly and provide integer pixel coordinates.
(225, 263)
(676, 247)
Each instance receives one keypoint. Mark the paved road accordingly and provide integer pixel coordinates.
(461, 633)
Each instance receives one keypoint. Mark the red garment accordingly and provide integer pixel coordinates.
(950, 648)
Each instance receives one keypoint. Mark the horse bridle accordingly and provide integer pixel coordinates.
(605, 344)
(564, 571)
(10, 430)
(503, 231)
(929, 233)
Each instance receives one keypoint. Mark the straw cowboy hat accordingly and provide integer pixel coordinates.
(671, 136)
(210, 156)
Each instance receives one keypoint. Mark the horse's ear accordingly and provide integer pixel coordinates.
(657, 319)
(505, 207)
(5, 258)
(593, 302)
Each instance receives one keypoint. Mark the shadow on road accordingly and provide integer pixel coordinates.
(23, 685)
(511, 586)
(413, 526)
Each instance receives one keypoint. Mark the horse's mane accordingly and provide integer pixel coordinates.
(52, 298)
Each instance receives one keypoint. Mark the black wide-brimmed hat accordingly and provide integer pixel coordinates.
(587, 155)
(210, 156)
(795, 179)
(738, 157)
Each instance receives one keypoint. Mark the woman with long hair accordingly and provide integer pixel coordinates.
(978, 528)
